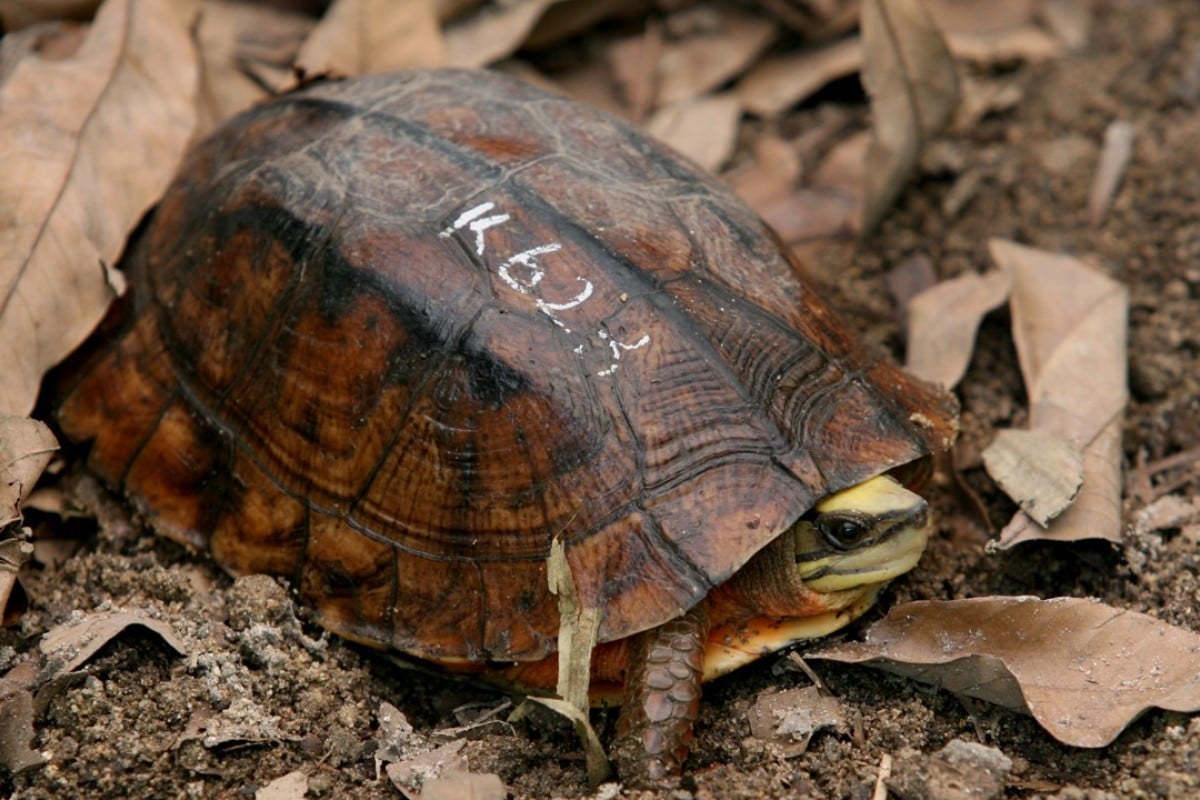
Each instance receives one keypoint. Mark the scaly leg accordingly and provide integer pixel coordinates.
(662, 699)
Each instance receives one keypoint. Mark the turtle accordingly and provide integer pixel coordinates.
(391, 337)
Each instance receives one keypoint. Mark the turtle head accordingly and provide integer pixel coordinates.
(821, 573)
(861, 536)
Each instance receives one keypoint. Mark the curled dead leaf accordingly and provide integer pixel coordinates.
(244, 721)
(412, 773)
(704, 129)
(26, 446)
(913, 85)
(577, 630)
(361, 37)
(777, 83)
(16, 732)
(70, 645)
(247, 53)
(1069, 325)
(465, 786)
(92, 142)
(598, 768)
(492, 32)
(943, 321)
(292, 786)
(15, 553)
(1042, 472)
(1083, 669)
(789, 719)
(18, 14)
(711, 54)
(962, 770)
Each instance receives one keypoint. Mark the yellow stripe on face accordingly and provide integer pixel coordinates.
(879, 496)
(885, 530)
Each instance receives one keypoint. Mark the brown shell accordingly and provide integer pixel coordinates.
(393, 335)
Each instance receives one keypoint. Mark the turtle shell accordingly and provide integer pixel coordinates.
(392, 336)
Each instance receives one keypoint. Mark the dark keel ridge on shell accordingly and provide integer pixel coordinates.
(392, 335)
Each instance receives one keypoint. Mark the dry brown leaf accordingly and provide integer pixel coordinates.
(815, 20)
(712, 56)
(777, 83)
(15, 553)
(1026, 43)
(492, 32)
(415, 770)
(1083, 669)
(18, 14)
(1168, 511)
(980, 16)
(832, 203)
(986, 32)
(598, 767)
(397, 740)
(26, 446)
(943, 321)
(704, 129)
(912, 275)
(1118, 149)
(1069, 328)
(451, 9)
(983, 96)
(68, 646)
(242, 722)
(789, 719)
(913, 85)
(292, 786)
(1070, 20)
(247, 53)
(50, 41)
(577, 629)
(632, 63)
(961, 770)
(812, 215)
(769, 176)
(94, 140)
(591, 83)
(16, 732)
(570, 18)
(362, 37)
(465, 786)
(1041, 471)
(62, 650)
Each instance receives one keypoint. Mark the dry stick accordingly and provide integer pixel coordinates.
(885, 772)
(1178, 460)
(1138, 484)
(1140, 481)
(797, 660)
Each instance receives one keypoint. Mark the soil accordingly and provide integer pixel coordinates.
(135, 724)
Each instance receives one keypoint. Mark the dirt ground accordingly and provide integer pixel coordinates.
(310, 702)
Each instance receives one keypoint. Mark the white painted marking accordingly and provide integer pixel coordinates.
(528, 260)
(470, 219)
(549, 308)
(478, 219)
(619, 347)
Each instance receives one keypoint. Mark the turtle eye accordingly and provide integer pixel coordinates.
(845, 531)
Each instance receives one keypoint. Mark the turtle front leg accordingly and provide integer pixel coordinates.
(662, 699)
